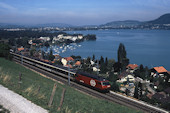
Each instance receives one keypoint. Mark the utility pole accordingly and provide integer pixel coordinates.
(68, 72)
(21, 58)
(41, 52)
(98, 67)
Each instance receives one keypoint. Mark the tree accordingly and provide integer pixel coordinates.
(4, 51)
(76, 57)
(93, 57)
(142, 72)
(42, 54)
(147, 72)
(19, 42)
(106, 62)
(103, 67)
(121, 53)
(138, 90)
(117, 67)
(127, 91)
(23, 42)
(46, 44)
(112, 77)
(11, 42)
(136, 94)
(32, 51)
(101, 60)
(125, 62)
(122, 59)
(141, 68)
(88, 60)
(51, 56)
(58, 62)
(114, 87)
(110, 64)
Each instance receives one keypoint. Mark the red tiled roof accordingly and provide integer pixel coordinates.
(34, 44)
(160, 69)
(69, 66)
(46, 60)
(168, 72)
(56, 55)
(78, 63)
(69, 58)
(20, 49)
(40, 44)
(132, 66)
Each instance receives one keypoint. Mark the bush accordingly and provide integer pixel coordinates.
(4, 51)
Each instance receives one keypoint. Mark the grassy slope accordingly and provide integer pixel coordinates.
(74, 101)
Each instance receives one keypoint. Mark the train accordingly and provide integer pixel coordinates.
(94, 81)
(90, 80)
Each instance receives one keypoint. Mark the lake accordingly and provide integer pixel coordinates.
(148, 47)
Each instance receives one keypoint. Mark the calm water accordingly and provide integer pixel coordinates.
(147, 47)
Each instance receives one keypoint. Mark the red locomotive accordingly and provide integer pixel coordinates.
(94, 81)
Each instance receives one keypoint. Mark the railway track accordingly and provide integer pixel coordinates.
(111, 96)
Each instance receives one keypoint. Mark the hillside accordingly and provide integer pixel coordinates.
(164, 19)
(37, 89)
(126, 23)
(60, 25)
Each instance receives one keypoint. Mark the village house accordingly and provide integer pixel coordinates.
(126, 77)
(57, 57)
(80, 37)
(158, 71)
(77, 64)
(30, 42)
(127, 81)
(95, 69)
(66, 60)
(73, 38)
(20, 49)
(23, 51)
(45, 38)
(55, 39)
(131, 67)
(168, 76)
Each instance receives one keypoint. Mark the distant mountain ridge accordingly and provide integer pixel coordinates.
(9, 25)
(54, 25)
(126, 23)
(164, 19)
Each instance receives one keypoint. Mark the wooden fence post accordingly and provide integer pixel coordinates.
(52, 95)
(20, 79)
(62, 99)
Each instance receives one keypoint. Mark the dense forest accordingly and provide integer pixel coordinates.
(27, 33)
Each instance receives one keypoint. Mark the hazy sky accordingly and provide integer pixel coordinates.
(80, 12)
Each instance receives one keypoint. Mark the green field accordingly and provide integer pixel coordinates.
(38, 89)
